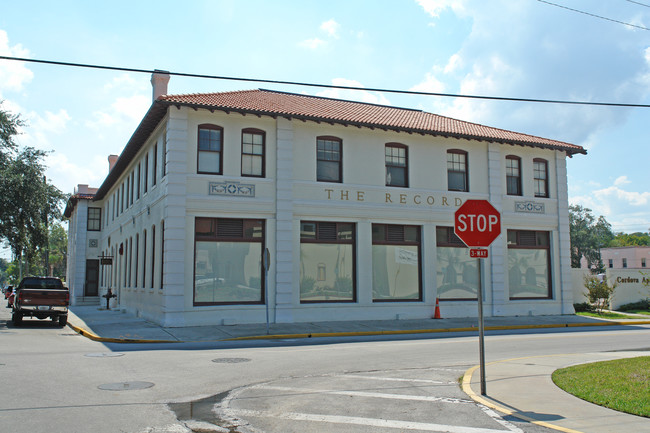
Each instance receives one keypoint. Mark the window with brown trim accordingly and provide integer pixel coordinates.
(94, 219)
(456, 272)
(329, 159)
(396, 263)
(513, 175)
(529, 264)
(210, 149)
(457, 170)
(396, 157)
(253, 150)
(228, 261)
(327, 262)
(540, 173)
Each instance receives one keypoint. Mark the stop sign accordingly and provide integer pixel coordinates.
(477, 223)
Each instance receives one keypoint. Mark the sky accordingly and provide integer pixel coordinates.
(516, 49)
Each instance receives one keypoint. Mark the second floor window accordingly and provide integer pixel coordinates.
(328, 159)
(396, 165)
(540, 169)
(513, 175)
(210, 144)
(94, 218)
(252, 152)
(457, 178)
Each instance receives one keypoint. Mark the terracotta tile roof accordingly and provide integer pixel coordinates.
(361, 114)
(336, 111)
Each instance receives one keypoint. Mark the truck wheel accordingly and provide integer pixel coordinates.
(63, 320)
(17, 318)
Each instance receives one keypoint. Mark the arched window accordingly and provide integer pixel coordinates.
(513, 175)
(253, 150)
(396, 157)
(210, 149)
(457, 170)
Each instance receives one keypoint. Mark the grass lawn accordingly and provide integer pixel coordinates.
(606, 315)
(622, 385)
(647, 312)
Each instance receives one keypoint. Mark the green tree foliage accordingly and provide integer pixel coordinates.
(588, 236)
(55, 255)
(27, 202)
(629, 240)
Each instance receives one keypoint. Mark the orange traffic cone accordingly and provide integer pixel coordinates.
(436, 315)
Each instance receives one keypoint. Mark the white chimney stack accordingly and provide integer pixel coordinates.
(159, 81)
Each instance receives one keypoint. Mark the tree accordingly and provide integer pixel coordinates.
(599, 292)
(56, 252)
(632, 239)
(27, 202)
(588, 236)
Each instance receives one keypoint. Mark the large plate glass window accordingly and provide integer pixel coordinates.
(396, 263)
(457, 272)
(529, 264)
(327, 263)
(210, 145)
(228, 261)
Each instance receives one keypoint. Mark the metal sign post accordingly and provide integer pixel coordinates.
(477, 223)
(266, 262)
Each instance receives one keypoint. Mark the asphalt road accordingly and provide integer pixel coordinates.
(54, 380)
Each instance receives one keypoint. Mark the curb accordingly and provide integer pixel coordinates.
(466, 386)
(89, 334)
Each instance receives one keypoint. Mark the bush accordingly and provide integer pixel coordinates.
(641, 305)
(599, 292)
(584, 307)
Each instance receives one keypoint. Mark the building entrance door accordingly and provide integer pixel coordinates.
(92, 278)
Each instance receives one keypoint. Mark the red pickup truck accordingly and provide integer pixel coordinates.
(41, 297)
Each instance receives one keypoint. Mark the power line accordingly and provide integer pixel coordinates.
(594, 15)
(327, 86)
(638, 3)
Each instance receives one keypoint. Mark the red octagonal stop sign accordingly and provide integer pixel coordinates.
(477, 223)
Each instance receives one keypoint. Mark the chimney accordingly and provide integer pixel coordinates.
(112, 159)
(159, 81)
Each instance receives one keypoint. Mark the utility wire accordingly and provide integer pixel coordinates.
(594, 15)
(327, 86)
(638, 3)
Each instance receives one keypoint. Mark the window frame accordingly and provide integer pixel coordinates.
(522, 246)
(465, 172)
(220, 238)
(338, 241)
(96, 219)
(404, 168)
(393, 242)
(324, 138)
(540, 181)
(262, 156)
(517, 177)
(211, 127)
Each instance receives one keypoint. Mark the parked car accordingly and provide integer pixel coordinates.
(9, 295)
(41, 297)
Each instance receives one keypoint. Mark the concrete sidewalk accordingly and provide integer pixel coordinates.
(519, 387)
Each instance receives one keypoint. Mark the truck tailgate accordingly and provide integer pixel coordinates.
(43, 297)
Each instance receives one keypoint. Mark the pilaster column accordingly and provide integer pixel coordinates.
(497, 296)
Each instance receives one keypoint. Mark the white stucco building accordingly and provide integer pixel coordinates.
(353, 201)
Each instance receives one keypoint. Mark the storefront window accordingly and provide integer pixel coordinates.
(395, 263)
(529, 264)
(327, 262)
(227, 263)
(457, 272)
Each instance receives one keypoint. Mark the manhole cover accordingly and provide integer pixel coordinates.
(125, 386)
(230, 360)
(104, 354)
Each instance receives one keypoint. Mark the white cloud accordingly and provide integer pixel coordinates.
(354, 95)
(331, 27)
(313, 43)
(13, 74)
(66, 174)
(434, 7)
(430, 84)
(127, 109)
(621, 180)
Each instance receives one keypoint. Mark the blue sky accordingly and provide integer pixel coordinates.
(523, 48)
